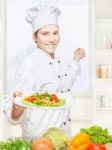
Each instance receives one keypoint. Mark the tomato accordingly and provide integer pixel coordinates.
(31, 99)
(96, 147)
(42, 144)
(55, 98)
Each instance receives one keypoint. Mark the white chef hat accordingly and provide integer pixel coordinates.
(42, 15)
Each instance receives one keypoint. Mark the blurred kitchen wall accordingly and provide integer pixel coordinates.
(103, 9)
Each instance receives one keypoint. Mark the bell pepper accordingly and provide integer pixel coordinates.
(96, 147)
(80, 141)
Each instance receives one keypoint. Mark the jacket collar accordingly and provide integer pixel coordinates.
(46, 57)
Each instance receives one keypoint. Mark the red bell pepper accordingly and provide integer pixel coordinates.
(96, 147)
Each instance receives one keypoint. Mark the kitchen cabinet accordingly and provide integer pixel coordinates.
(103, 59)
(103, 73)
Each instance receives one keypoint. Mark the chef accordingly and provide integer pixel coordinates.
(42, 71)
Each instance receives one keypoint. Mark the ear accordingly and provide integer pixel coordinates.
(34, 36)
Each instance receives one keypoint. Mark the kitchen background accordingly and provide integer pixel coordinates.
(95, 106)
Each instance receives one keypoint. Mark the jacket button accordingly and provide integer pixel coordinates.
(69, 119)
(68, 89)
(62, 92)
(59, 76)
(65, 74)
(64, 123)
(50, 63)
(58, 61)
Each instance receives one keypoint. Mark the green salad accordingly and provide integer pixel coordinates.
(97, 134)
(43, 99)
(15, 144)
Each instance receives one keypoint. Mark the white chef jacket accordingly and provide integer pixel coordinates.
(42, 73)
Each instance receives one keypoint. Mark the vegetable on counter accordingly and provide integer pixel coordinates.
(97, 134)
(80, 141)
(58, 137)
(16, 144)
(96, 147)
(42, 144)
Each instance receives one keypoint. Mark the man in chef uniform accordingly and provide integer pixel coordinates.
(42, 72)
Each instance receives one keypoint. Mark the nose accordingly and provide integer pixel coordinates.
(51, 38)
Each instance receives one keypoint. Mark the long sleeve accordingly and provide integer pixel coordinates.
(25, 83)
(8, 111)
(69, 77)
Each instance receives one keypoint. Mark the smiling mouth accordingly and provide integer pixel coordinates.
(51, 45)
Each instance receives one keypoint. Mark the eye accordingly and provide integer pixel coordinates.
(55, 33)
(45, 33)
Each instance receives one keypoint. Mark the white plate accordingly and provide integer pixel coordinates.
(67, 96)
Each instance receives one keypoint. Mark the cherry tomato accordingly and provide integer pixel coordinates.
(55, 98)
(30, 99)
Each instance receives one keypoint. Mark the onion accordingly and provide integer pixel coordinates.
(42, 144)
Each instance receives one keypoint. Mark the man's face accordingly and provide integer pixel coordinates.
(48, 38)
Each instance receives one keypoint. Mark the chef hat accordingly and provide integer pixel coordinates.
(42, 15)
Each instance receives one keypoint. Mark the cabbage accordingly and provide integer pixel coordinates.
(57, 136)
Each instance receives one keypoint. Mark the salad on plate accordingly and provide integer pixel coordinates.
(43, 100)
